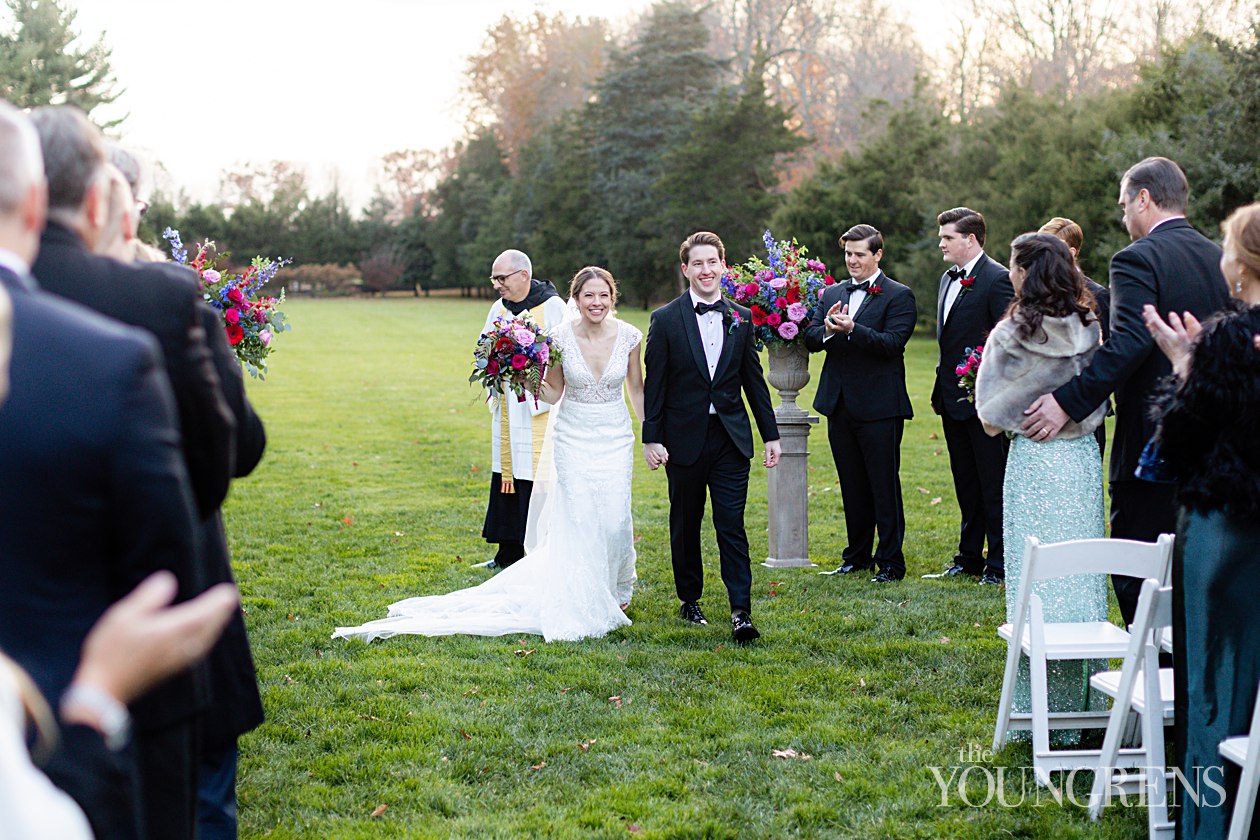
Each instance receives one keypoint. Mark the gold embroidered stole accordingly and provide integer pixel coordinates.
(538, 425)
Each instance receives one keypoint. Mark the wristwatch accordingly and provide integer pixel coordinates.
(111, 717)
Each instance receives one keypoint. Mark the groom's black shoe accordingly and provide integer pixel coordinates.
(690, 611)
(992, 579)
(742, 626)
(850, 568)
(884, 577)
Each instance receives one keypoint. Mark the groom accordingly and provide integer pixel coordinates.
(701, 360)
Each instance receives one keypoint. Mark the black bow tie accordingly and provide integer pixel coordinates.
(865, 285)
(702, 308)
(955, 273)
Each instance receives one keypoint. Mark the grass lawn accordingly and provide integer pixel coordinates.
(373, 489)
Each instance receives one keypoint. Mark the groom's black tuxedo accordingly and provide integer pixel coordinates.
(705, 450)
(977, 461)
(862, 393)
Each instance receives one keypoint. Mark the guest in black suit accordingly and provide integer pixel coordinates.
(95, 494)
(700, 364)
(973, 296)
(1174, 268)
(862, 327)
(166, 301)
(1071, 234)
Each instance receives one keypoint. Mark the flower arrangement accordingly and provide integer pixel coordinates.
(250, 319)
(514, 355)
(781, 293)
(967, 371)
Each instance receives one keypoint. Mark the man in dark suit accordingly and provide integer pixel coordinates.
(973, 296)
(94, 493)
(862, 328)
(166, 301)
(700, 363)
(1174, 268)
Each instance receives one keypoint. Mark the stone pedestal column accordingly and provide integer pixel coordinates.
(788, 491)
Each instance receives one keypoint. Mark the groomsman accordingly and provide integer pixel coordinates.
(516, 445)
(973, 296)
(1174, 268)
(700, 364)
(862, 328)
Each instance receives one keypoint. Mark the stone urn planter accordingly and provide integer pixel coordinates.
(788, 483)
(788, 374)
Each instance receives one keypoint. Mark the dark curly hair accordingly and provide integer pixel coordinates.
(1053, 286)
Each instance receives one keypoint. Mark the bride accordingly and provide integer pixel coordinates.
(578, 573)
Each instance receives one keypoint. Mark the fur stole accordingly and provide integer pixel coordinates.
(1014, 371)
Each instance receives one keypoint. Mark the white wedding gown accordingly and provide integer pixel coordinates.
(580, 565)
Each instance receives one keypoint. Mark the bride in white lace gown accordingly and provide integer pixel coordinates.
(578, 573)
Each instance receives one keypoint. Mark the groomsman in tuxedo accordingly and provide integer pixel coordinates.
(700, 363)
(973, 296)
(516, 426)
(164, 300)
(1174, 268)
(862, 328)
(94, 492)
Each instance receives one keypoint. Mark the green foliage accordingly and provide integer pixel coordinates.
(373, 489)
(463, 201)
(42, 64)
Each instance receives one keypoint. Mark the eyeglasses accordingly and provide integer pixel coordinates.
(499, 278)
(142, 207)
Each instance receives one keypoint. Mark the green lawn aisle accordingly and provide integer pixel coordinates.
(373, 489)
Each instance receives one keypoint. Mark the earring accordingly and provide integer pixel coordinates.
(1238, 287)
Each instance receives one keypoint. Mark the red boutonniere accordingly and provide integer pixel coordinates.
(967, 282)
(734, 320)
(875, 291)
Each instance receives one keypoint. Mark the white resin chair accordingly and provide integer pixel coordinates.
(1031, 636)
(1143, 687)
(1244, 750)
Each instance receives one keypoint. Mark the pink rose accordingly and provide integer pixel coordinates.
(519, 361)
(232, 315)
(788, 330)
(265, 338)
(544, 353)
(774, 319)
(797, 312)
(815, 265)
(752, 289)
(523, 337)
(210, 276)
(778, 283)
(764, 276)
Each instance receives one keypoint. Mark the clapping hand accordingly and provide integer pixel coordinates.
(1174, 337)
(838, 319)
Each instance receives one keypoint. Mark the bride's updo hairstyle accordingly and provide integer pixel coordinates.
(594, 272)
(1053, 286)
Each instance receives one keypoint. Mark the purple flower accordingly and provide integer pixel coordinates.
(797, 312)
(778, 283)
(764, 276)
(788, 330)
(815, 265)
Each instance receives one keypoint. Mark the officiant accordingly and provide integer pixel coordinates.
(517, 443)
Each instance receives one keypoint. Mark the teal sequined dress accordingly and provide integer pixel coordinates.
(1053, 491)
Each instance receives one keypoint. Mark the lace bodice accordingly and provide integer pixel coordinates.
(580, 384)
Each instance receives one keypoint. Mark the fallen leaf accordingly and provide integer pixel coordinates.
(288, 679)
(839, 778)
(934, 436)
(586, 745)
(399, 534)
(523, 652)
(472, 690)
(791, 753)
(615, 700)
(903, 603)
(944, 640)
(540, 765)
(349, 520)
(923, 490)
(467, 737)
(378, 810)
(565, 690)
(862, 682)
(633, 829)
(936, 452)
(292, 617)
(476, 469)
(445, 760)
(935, 501)
(317, 504)
(638, 538)
(718, 648)
(368, 717)
(976, 624)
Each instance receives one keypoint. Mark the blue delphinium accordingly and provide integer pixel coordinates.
(178, 251)
(776, 255)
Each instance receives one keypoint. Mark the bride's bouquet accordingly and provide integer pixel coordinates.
(781, 293)
(250, 318)
(513, 355)
(967, 370)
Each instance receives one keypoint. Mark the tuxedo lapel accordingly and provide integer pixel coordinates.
(728, 346)
(940, 304)
(868, 302)
(692, 330)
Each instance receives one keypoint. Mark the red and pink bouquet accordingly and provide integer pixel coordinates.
(513, 355)
(250, 319)
(781, 294)
(967, 371)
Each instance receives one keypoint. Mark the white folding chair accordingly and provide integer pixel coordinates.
(1145, 688)
(1030, 635)
(1244, 750)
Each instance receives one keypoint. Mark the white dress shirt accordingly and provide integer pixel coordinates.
(856, 299)
(711, 337)
(955, 287)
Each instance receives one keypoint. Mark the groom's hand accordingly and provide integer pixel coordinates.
(655, 454)
(773, 452)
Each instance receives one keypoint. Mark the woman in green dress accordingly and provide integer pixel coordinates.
(1209, 439)
(1053, 489)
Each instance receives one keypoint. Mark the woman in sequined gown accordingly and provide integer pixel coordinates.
(579, 572)
(1052, 490)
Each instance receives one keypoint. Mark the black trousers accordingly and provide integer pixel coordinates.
(1140, 510)
(868, 462)
(722, 471)
(166, 759)
(506, 515)
(978, 462)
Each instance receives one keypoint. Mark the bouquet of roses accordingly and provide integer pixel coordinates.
(513, 355)
(250, 319)
(781, 293)
(967, 371)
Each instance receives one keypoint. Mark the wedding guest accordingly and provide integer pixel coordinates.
(1209, 437)
(1052, 491)
(695, 424)
(862, 328)
(94, 493)
(1072, 236)
(166, 301)
(973, 296)
(117, 237)
(516, 444)
(1173, 267)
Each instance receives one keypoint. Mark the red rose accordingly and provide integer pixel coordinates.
(492, 367)
(232, 315)
(758, 315)
(774, 319)
(235, 335)
(829, 280)
(519, 361)
(781, 302)
(967, 282)
(235, 295)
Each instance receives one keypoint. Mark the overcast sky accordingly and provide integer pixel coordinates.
(213, 83)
